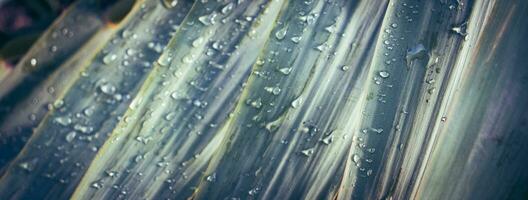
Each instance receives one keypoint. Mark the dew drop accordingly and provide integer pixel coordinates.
(227, 8)
(273, 90)
(170, 116)
(169, 3)
(285, 70)
(109, 58)
(71, 136)
(197, 42)
(280, 34)
(296, 39)
(33, 62)
(384, 74)
(308, 152)
(209, 19)
(107, 88)
(296, 103)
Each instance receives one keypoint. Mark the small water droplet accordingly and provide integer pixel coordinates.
(296, 39)
(169, 3)
(280, 34)
(71, 136)
(209, 19)
(97, 185)
(285, 70)
(107, 88)
(384, 74)
(308, 152)
(53, 49)
(256, 103)
(327, 140)
(227, 8)
(415, 52)
(170, 116)
(109, 58)
(297, 102)
(273, 90)
(33, 62)
(197, 42)
(64, 121)
(211, 178)
(130, 52)
(356, 159)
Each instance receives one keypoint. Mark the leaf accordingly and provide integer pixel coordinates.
(279, 99)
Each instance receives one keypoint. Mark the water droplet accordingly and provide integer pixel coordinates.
(107, 88)
(64, 121)
(394, 25)
(296, 39)
(345, 68)
(260, 62)
(322, 47)
(356, 159)
(188, 59)
(165, 59)
(211, 178)
(297, 102)
(53, 49)
(130, 52)
(71, 136)
(109, 58)
(285, 70)
(273, 90)
(89, 111)
(33, 62)
(32, 117)
(97, 185)
(197, 42)
(111, 174)
(377, 130)
(27, 166)
(331, 28)
(416, 52)
(58, 103)
(227, 8)
(253, 191)
(280, 34)
(327, 140)
(384, 74)
(83, 129)
(256, 104)
(169, 3)
(170, 116)
(209, 19)
(308, 152)
(460, 30)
